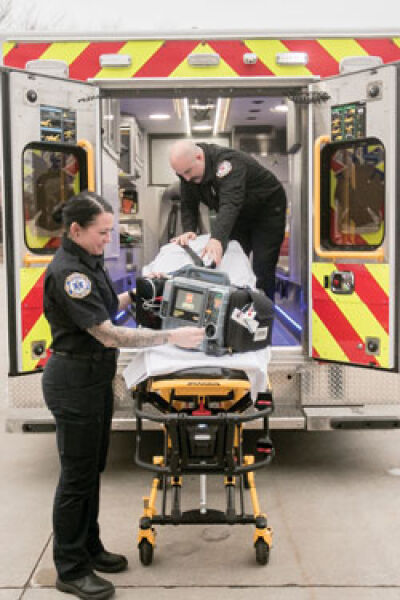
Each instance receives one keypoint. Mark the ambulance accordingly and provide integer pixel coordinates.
(322, 114)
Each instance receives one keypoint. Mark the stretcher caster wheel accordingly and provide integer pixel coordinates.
(145, 553)
(262, 552)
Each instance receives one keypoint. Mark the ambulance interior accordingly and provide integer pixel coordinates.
(137, 133)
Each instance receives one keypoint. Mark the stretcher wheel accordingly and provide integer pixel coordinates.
(262, 551)
(145, 552)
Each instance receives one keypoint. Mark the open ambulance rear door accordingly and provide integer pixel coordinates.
(353, 283)
(51, 134)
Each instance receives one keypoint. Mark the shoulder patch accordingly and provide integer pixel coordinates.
(77, 285)
(224, 168)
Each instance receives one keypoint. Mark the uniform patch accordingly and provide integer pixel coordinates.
(77, 285)
(224, 168)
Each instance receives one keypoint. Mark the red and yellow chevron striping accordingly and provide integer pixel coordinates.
(34, 327)
(167, 58)
(341, 323)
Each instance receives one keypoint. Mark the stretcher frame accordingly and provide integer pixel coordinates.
(184, 402)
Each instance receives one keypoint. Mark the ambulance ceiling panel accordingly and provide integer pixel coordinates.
(242, 111)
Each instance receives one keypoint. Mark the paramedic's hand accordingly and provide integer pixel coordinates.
(183, 240)
(214, 251)
(186, 337)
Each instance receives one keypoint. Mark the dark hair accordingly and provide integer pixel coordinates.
(82, 209)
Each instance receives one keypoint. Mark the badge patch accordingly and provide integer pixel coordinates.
(224, 168)
(77, 285)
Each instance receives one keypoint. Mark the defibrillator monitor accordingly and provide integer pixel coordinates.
(188, 304)
(234, 319)
(188, 301)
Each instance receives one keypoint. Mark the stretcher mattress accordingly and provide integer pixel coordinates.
(163, 360)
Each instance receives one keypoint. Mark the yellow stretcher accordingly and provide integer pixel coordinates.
(202, 413)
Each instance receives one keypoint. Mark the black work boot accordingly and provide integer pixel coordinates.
(108, 562)
(89, 587)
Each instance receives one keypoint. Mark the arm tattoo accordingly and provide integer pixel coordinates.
(124, 337)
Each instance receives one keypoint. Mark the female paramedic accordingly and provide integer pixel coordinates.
(80, 303)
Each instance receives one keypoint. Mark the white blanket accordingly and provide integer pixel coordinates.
(234, 262)
(162, 360)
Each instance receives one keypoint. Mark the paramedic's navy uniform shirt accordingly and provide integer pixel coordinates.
(78, 294)
(250, 203)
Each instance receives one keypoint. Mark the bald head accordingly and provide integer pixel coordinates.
(187, 160)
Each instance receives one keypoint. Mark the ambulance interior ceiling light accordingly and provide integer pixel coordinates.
(186, 115)
(197, 106)
(203, 127)
(159, 117)
(279, 108)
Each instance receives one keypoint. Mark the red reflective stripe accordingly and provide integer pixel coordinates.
(166, 59)
(265, 450)
(384, 47)
(320, 62)
(370, 292)
(87, 64)
(337, 324)
(21, 53)
(232, 51)
(44, 360)
(315, 353)
(32, 307)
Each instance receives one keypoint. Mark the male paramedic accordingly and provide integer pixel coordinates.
(249, 201)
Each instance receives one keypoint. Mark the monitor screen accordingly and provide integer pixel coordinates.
(188, 305)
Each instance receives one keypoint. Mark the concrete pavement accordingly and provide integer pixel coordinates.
(331, 498)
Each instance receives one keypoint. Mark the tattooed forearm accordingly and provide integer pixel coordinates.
(124, 337)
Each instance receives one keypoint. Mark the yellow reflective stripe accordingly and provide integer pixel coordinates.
(140, 52)
(267, 50)
(28, 279)
(363, 321)
(33, 240)
(40, 331)
(66, 51)
(7, 46)
(340, 48)
(381, 275)
(396, 40)
(324, 342)
(220, 70)
(375, 238)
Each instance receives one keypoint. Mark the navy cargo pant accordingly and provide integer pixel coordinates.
(260, 229)
(79, 394)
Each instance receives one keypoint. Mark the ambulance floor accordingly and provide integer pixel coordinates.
(331, 500)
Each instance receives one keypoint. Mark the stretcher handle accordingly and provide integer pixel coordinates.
(222, 417)
(86, 145)
(319, 251)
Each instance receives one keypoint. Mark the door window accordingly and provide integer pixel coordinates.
(353, 194)
(52, 173)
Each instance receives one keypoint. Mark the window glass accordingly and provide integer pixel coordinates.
(51, 175)
(353, 194)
